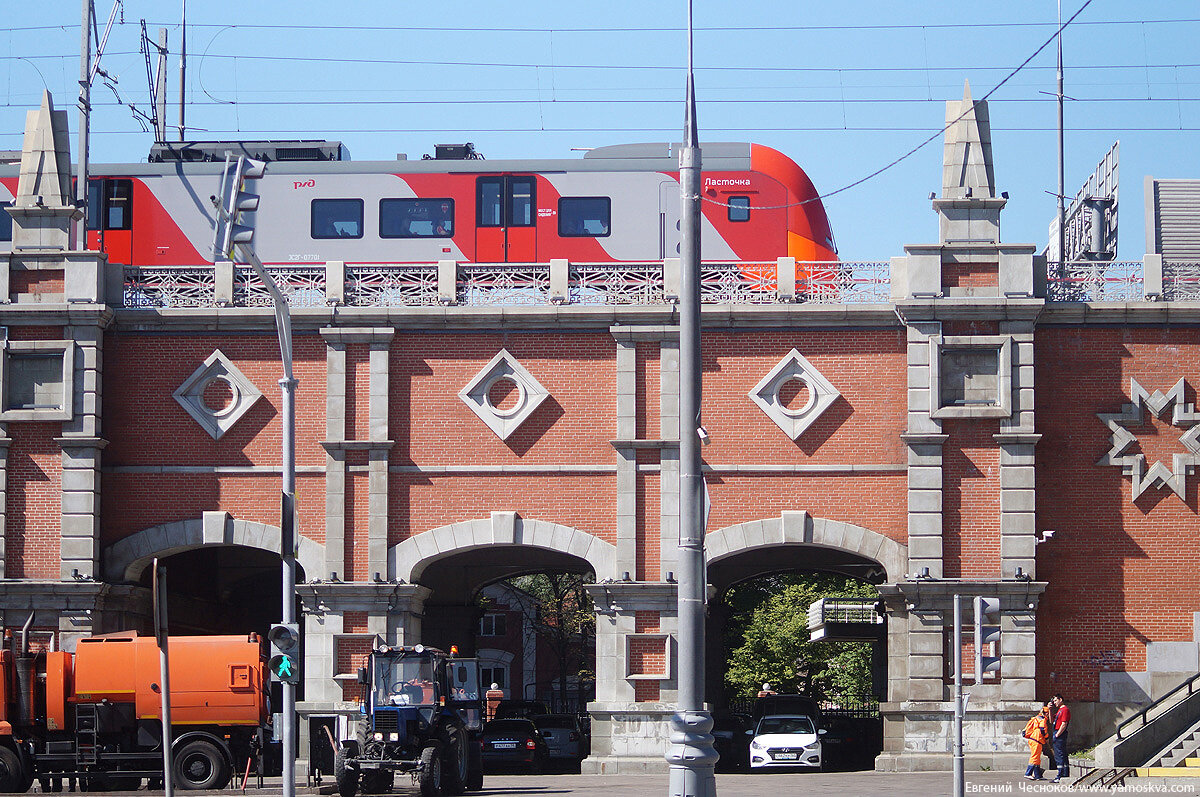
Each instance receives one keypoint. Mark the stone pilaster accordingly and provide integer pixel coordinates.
(377, 464)
(626, 453)
(924, 439)
(629, 736)
(335, 456)
(1017, 439)
(81, 446)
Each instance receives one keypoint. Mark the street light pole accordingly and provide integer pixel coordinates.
(691, 756)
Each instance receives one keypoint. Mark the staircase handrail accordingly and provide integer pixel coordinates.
(1189, 684)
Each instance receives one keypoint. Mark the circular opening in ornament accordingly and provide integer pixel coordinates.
(796, 395)
(504, 395)
(219, 396)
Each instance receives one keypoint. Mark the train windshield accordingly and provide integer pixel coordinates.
(404, 682)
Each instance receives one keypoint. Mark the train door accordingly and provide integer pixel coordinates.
(110, 218)
(668, 219)
(506, 219)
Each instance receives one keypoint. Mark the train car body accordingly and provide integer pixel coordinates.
(615, 204)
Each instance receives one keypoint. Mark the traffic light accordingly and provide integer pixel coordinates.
(284, 663)
(987, 610)
(235, 200)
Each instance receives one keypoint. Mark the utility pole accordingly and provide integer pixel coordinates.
(182, 65)
(85, 110)
(691, 756)
(1062, 181)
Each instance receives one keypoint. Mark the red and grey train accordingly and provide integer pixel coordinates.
(615, 204)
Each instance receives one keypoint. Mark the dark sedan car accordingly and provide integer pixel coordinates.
(514, 744)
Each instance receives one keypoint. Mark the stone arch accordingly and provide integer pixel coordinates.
(799, 528)
(407, 560)
(126, 559)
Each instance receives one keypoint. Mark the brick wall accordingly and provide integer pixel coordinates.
(970, 275)
(971, 500)
(34, 502)
(37, 284)
(1121, 572)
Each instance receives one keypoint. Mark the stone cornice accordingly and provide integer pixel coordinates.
(358, 334)
(81, 442)
(557, 317)
(973, 308)
(333, 446)
(644, 443)
(57, 314)
(1017, 438)
(924, 438)
(1120, 313)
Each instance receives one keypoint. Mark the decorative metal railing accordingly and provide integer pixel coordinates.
(646, 284)
(1181, 281)
(505, 284)
(391, 285)
(303, 285)
(616, 283)
(169, 286)
(1096, 281)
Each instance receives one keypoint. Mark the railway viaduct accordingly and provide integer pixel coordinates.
(922, 424)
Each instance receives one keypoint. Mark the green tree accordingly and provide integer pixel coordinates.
(767, 635)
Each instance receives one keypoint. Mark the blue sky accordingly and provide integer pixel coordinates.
(843, 88)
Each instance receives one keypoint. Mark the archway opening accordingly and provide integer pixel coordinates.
(525, 612)
(221, 589)
(798, 619)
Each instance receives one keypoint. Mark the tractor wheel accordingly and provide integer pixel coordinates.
(200, 765)
(475, 768)
(345, 774)
(457, 761)
(430, 779)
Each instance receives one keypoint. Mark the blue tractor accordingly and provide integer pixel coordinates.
(422, 715)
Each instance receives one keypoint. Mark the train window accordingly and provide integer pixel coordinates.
(490, 202)
(5, 222)
(584, 216)
(337, 218)
(739, 208)
(110, 204)
(416, 218)
(522, 202)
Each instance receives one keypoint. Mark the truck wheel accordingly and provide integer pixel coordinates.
(455, 773)
(430, 779)
(12, 778)
(200, 765)
(345, 774)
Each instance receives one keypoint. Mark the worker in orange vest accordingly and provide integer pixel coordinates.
(1037, 733)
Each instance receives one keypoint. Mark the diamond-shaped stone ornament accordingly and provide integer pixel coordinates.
(217, 395)
(821, 394)
(506, 419)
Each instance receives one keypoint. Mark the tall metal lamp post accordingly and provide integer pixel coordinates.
(691, 756)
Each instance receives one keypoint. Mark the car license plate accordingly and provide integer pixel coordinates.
(786, 756)
(504, 745)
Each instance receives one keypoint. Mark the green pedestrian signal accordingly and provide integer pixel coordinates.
(284, 663)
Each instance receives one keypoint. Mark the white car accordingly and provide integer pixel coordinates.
(785, 741)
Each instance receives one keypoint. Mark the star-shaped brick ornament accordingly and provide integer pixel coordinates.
(1183, 416)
